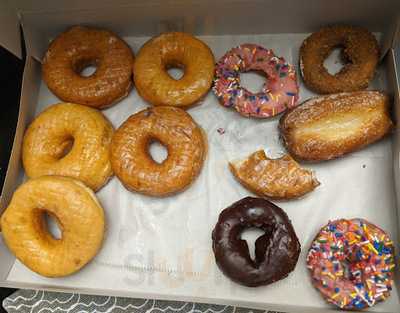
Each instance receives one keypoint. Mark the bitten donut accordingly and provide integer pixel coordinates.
(276, 252)
(175, 130)
(79, 215)
(279, 93)
(360, 50)
(69, 140)
(351, 263)
(170, 50)
(78, 48)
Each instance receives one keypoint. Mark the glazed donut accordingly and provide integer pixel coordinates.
(360, 49)
(351, 263)
(79, 216)
(276, 252)
(78, 48)
(170, 50)
(69, 140)
(279, 92)
(173, 128)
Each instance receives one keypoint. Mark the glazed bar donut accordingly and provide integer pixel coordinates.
(79, 216)
(276, 252)
(351, 263)
(170, 50)
(69, 140)
(360, 49)
(79, 47)
(279, 93)
(173, 128)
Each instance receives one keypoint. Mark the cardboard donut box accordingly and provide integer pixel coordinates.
(32, 24)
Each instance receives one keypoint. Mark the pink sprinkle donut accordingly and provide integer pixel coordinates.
(351, 263)
(279, 93)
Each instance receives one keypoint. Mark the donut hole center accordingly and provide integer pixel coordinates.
(85, 67)
(65, 147)
(253, 81)
(250, 235)
(336, 60)
(157, 151)
(175, 70)
(49, 225)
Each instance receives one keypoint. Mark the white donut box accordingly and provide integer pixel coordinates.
(161, 248)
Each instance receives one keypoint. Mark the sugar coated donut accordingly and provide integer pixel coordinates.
(170, 50)
(279, 92)
(351, 263)
(78, 213)
(69, 140)
(79, 47)
(276, 252)
(360, 49)
(173, 128)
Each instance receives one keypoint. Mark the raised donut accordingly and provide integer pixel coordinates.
(360, 50)
(170, 50)
(69, 140)
(276, 252)
(279, 92)
(77, 212)
(173, 128)
(351, 263)
(79, 47)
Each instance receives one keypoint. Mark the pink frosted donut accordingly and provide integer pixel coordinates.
(279, 93)
(351, 263)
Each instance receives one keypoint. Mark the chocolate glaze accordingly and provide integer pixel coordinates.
(276, 252)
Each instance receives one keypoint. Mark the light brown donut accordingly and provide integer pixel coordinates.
(78, 48)
(360, 48)
(177, 131)
(152, 80)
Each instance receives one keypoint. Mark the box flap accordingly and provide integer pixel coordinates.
(9, 29)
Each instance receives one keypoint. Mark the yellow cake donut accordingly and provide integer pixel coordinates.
(178, 132)
(169, 50)
(83, 130)
(77, 212)
(79, 47)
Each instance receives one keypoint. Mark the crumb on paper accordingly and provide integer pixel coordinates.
(364, 166)
(221, 131)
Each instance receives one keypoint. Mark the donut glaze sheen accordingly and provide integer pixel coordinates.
(351, 263)
(276, 252)
(360, 49)
(78, 48)
(178, 132)
(279, 93)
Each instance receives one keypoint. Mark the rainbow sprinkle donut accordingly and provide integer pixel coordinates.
(351, 263)
(279, 93)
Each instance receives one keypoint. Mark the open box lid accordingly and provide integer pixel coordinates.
(9, 29)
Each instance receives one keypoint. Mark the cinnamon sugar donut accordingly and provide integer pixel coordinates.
(78, 48)
(360, 49)
(177, 131)
(169, 50)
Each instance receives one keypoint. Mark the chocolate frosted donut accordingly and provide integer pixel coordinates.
(276, 252)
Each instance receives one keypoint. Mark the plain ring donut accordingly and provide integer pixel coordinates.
(69, 140)
(78, 213)
(173, 128)
(78, 48)
(360, 49)
(169, 50)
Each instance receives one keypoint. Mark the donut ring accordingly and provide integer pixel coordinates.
(83, 130)
(177, 131)
(360, 48)
(78, 48)
(279, 93)
(276, 252)
(78, 213)
(351, 263)
(168, 50)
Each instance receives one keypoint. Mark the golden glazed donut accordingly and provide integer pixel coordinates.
(360, 49)
(79, 47)
(69, 140)
(169, 50)
(173, 128)
(79, 215)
